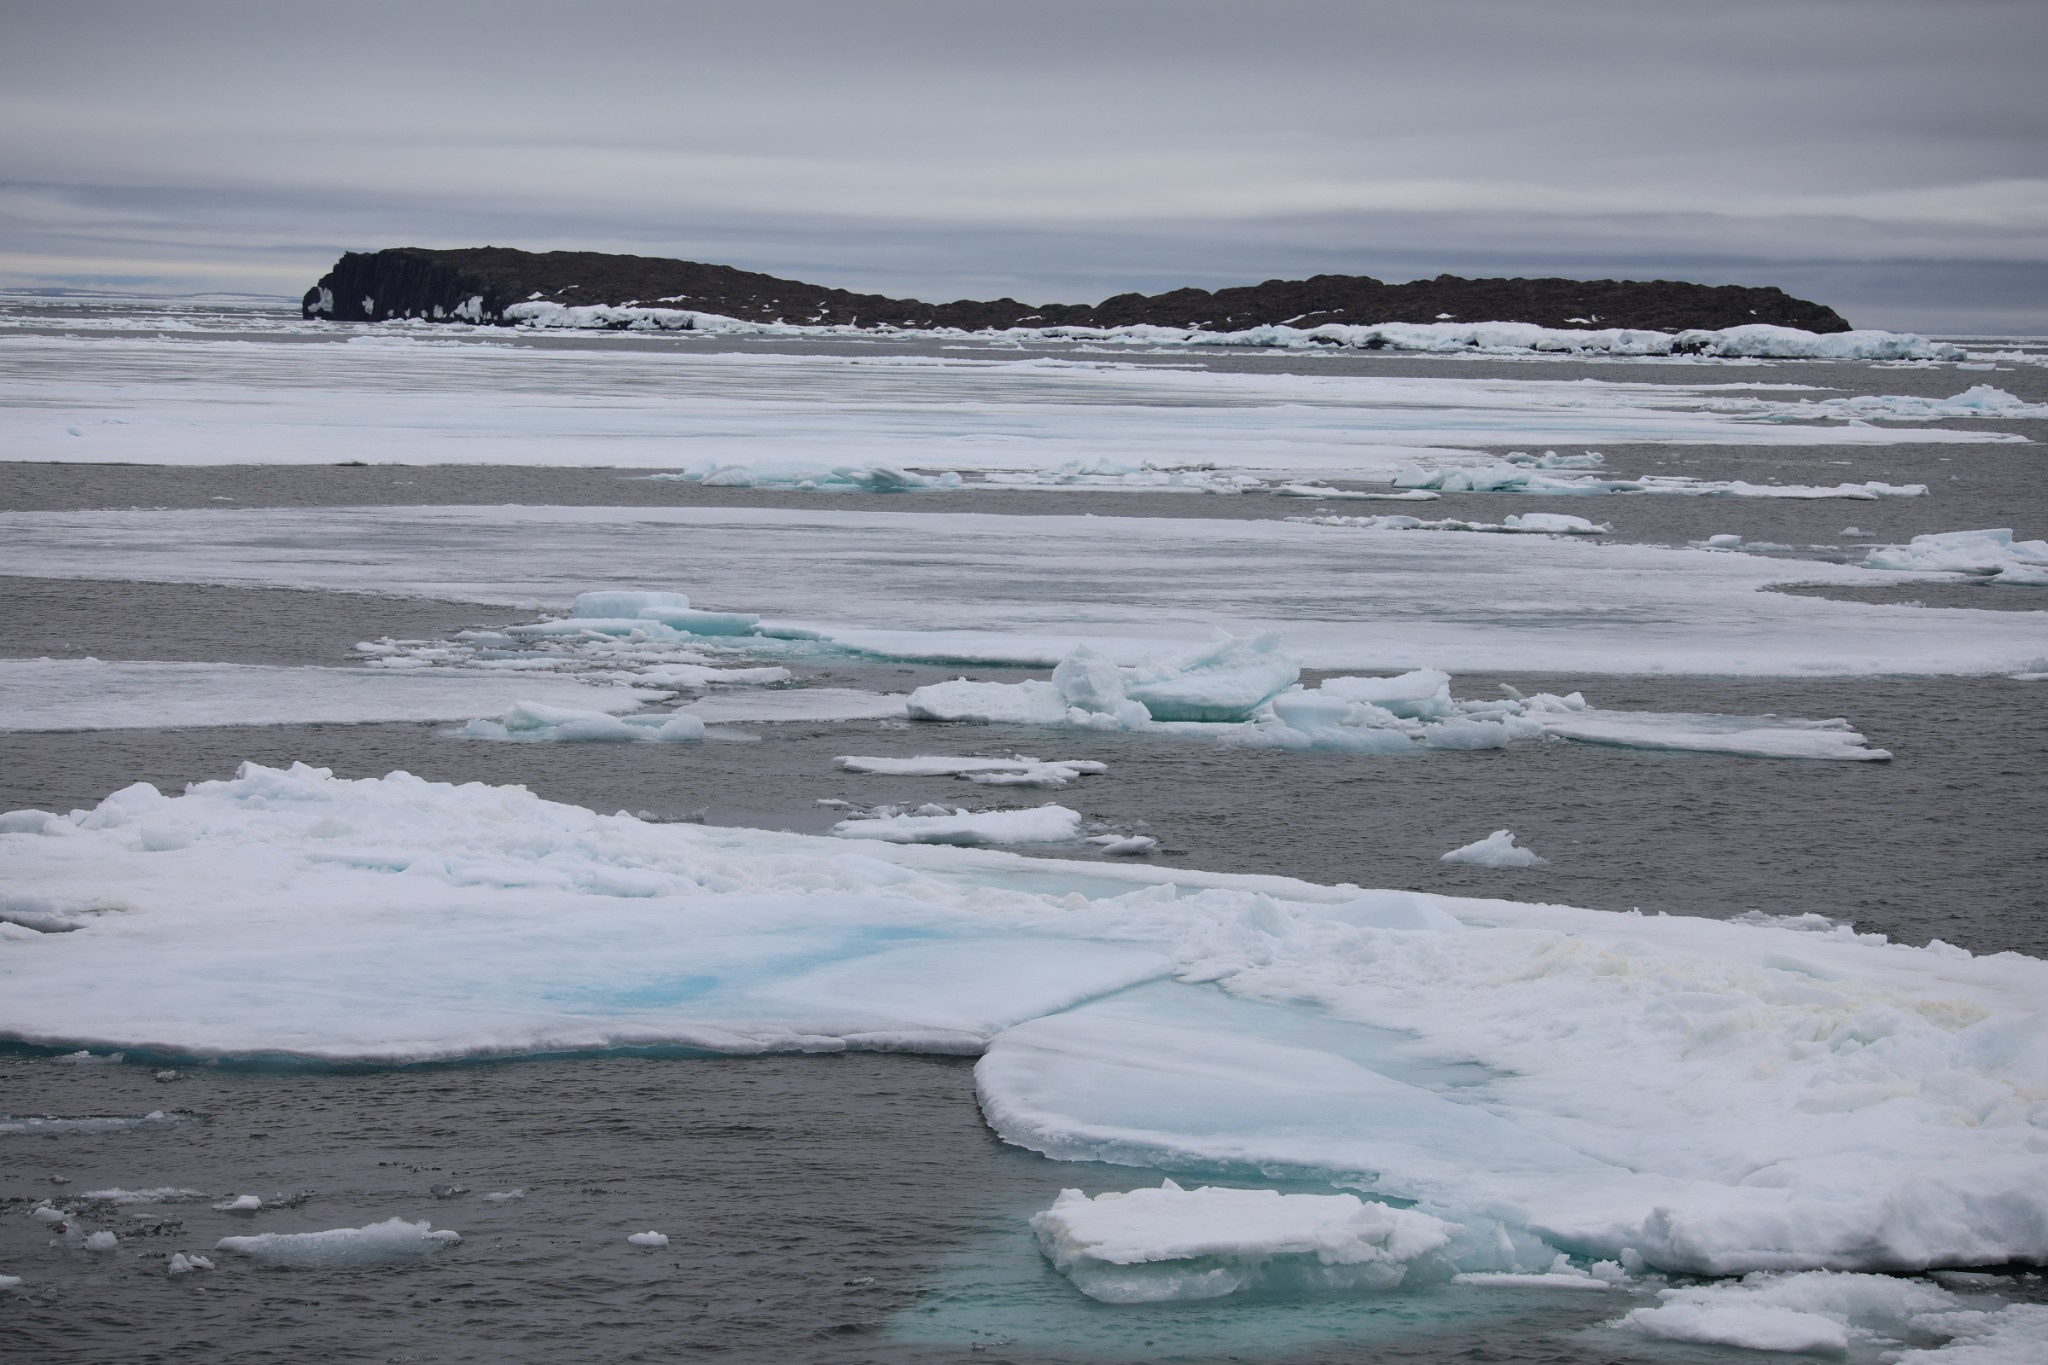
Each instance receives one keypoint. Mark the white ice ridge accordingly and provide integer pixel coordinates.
(1243, 692)
(1831, 1312)
(848, 418)
(1495, 850)
(394, 1239)
(1016, 771)
(1711, 1096)
(1155, 1245)
(86, 694)
(974, 588)
(935, 824)
(1524, 523)
(1989, 554)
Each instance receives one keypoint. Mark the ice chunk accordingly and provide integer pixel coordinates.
(1811, 1311)
(1049, 824)
(241, 1203)
(162, 1194)
(183, 1264)
(1019, 771)
(1154, 1245)
(10, 1282)
(536, 721)
(1225, 682)
(1125, 845)
(1495, 850)
(1991, 553)
(648, 1239)
(613, 605)
(155, 1118)
(1527, 523)
(394, 1239)
(505, 1196)
(102, 1241)
(1034, 702)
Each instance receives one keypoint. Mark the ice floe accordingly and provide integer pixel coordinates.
(847, 419)
(1990, 554)
(1170, 1243)
(183, 1264)
(1497, 849)
(964, 588)
(1016, 771)
(650, 1240)
(534, 721)
(154, 1119)
(1703, 1096)
(394, 1239)
(86, 694)
(935, 824)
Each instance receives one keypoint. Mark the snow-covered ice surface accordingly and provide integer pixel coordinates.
(1027, 589)
(88, 694)
(1708, 1096)
(850, 417)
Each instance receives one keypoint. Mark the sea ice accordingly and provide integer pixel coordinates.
(962, 588)
(1155, 1245)
(648, 1239)
(183, 1264)
(1526, 523)
(241, 1203)
(1018, 771)
(394, 1239)
(162, 1194)
(1526, 479)
(1991, 554)
(102, 1241)
(530, 721)
(1828, 1312)
(1495, 850)
(1704, 1096)
(1049, 824)
(86, 694)
(154, 1119)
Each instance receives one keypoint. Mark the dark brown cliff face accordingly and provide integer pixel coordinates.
(478, 284)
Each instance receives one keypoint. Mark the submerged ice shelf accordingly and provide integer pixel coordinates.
(1708, 1096)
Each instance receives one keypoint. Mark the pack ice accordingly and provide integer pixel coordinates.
(1692, 1094)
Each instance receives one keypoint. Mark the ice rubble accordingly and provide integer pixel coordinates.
(1497, 849)
(1169, 1243)
(1706, 1096)
(86, 694)
(935, 824)
(1242, 692)
(1016, 771)
(1990, 554)
(1524, 523)
(1828, 1312)
(394, 1239)
(1513, 477)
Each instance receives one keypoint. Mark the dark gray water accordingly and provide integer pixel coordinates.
(855, 1208)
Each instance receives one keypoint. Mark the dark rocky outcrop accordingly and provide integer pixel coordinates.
(479, 283)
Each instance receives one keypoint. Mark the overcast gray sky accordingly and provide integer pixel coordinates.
(1884, 156)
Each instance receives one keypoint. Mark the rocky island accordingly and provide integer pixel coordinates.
(480, 285)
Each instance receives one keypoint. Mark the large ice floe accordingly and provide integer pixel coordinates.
(861, 420)
(972, 588)
(1667, 1093)
(1243, 691)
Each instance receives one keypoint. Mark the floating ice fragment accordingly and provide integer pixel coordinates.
(1019, 771)
(102, 1241)
(1526, 523)
(1125, 845)
(162, 1194)
(1047, 824)
(536, 721)
(1525, 479)
(10, 1281)
(183, 1264)
(1156, 1245)
(648, 1239)
(155, 1118)
(394, 1239)
(1992, 554)
(1495, 850)
(1816, 1310)
(505, 1196)
(241, 1203)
